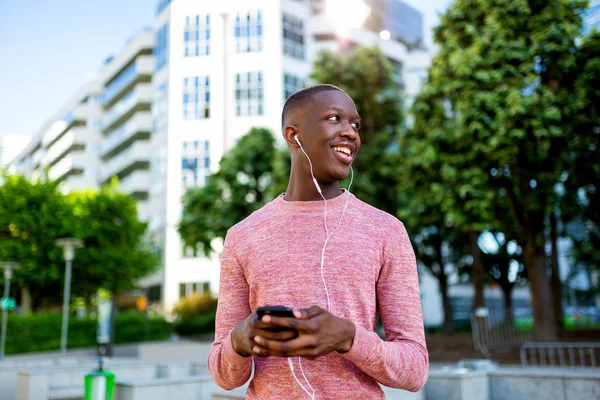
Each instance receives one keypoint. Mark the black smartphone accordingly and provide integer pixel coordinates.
(276, 311)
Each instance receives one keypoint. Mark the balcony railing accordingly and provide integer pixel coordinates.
(137, 152)
(141, 94)
(72, 162)
(141, 66)
(142, 122)
(136, 182)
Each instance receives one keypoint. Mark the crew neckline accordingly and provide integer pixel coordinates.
(338, 201)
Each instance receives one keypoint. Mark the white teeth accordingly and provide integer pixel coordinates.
(344, 150)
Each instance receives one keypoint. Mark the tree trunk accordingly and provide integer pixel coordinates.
(508, 309)
(447, 305)
(545, 329)
(443, 281)
(556, 283)
(26, 300)
(477, 271)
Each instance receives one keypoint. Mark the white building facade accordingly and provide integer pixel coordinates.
(223, 68)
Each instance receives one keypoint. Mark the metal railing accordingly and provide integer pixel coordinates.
(495, 331)
(555, 354)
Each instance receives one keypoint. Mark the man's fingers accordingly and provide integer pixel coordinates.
(287, 322)
(278, 335)
(286, 347)
(308, 313)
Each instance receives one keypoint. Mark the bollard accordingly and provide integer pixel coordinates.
(99, 384)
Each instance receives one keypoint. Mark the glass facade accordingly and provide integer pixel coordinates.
(249, 94)
(161, 49)
(293, 36)
(196, 97)
(404, 22)
(161, 5)
(196, 36)
(119, 83)
(248, 32)
(291, 84)
(160, 108)
(195, 163)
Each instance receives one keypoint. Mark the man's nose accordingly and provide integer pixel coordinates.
(348, 131)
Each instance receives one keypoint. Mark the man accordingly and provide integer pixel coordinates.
(336, 261)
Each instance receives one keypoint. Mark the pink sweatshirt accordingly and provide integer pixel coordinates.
(273, 258)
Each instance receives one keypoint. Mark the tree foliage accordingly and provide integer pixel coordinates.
(230, 195)
(34, 214)
(116, 251)
(507, 88)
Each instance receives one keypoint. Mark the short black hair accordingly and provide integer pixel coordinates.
(300, 98)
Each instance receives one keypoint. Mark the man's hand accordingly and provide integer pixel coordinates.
(246, 330)
(319, 333)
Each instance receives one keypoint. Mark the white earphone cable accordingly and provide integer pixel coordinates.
(328, 236)
(291, 364)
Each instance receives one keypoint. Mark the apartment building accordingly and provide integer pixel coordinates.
(127, 118)
(67, 145)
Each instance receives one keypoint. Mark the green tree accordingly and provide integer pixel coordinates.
(230, 195)
(33, 214)
(117, 252)
(366, 75)
(504, 73)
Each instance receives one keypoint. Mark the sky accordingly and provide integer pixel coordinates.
(49, 48)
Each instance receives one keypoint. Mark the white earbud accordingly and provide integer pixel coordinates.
(311, 168)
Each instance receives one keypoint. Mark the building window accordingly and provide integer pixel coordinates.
(196, 97)
(248, 31)
(161, 51)
(196, 36)
(291, 84)
(195, 163)
(249, 93)
(293, 36)
(189, 288)
(160, 108)
(161, 5)
(153, 293)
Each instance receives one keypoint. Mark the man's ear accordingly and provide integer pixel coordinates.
(288, 134)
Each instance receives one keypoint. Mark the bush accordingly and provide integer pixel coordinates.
(196, 324)
(195, 314)
(194, 305)
(41, 332)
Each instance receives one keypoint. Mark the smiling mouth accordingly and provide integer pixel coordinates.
(343, 153)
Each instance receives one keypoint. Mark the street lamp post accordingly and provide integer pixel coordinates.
(69, 245)
(8, 267)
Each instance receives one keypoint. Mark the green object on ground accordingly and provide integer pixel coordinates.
(99, 385)
(7, 303)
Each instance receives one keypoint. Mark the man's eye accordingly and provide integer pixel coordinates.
(334, 118)
(356, 125)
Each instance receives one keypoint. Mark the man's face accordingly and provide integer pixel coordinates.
(329, 134)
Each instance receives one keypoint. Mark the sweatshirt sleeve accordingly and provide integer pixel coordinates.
(228, 368)
(401, 361)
